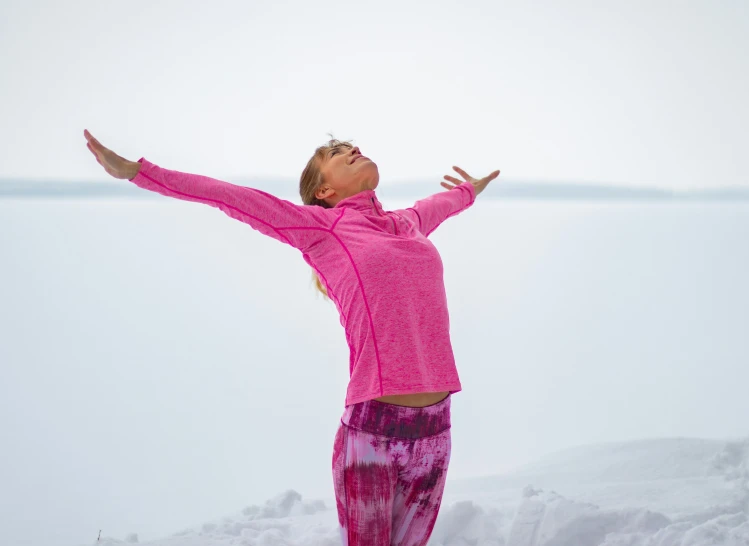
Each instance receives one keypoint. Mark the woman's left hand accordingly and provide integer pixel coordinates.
(478, 184)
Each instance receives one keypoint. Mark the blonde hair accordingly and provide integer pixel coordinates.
(310, 182)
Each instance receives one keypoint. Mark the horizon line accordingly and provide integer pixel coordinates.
(538, 183)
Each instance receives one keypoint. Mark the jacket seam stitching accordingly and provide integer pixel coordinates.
(366, 304)
(417, 215)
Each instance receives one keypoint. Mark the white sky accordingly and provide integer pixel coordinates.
(643, 93)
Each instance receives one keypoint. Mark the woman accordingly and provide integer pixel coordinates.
(392, 448)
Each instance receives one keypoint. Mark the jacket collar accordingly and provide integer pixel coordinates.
(364, 201)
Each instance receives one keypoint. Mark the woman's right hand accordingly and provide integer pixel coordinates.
(116, 166)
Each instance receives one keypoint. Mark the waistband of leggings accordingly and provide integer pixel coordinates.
(396, 421)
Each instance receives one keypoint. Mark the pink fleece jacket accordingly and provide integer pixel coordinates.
(379, 268)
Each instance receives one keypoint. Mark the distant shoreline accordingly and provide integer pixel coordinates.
(32, 189)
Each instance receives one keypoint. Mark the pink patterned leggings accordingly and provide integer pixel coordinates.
(389, 469)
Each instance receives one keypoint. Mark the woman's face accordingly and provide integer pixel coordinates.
(345, 172)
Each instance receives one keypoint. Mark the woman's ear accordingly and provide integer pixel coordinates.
(323, 193)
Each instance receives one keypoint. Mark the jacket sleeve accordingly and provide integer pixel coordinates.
(297, 225)
(430, 212)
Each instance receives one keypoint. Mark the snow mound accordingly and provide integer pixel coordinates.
(548, 519)
(284, 520)
(537, 516)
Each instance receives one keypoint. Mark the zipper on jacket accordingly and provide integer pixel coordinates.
(395, 225)
(374, 206)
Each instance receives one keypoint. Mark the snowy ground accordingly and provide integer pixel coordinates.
(685, 492)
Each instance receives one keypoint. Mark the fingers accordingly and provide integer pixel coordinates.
(453, 179)
(90, 147)
(96, 156)
(98, 146)
(91, 142)
(89, 137)
(94, 146)
(461, 172)
(494, 175)
(465, 175)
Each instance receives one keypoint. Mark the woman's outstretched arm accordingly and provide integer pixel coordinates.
(430, 212)
(297, 225)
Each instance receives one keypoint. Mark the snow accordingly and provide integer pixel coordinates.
(665, 492)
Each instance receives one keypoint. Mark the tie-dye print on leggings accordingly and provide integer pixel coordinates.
(389, 469)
